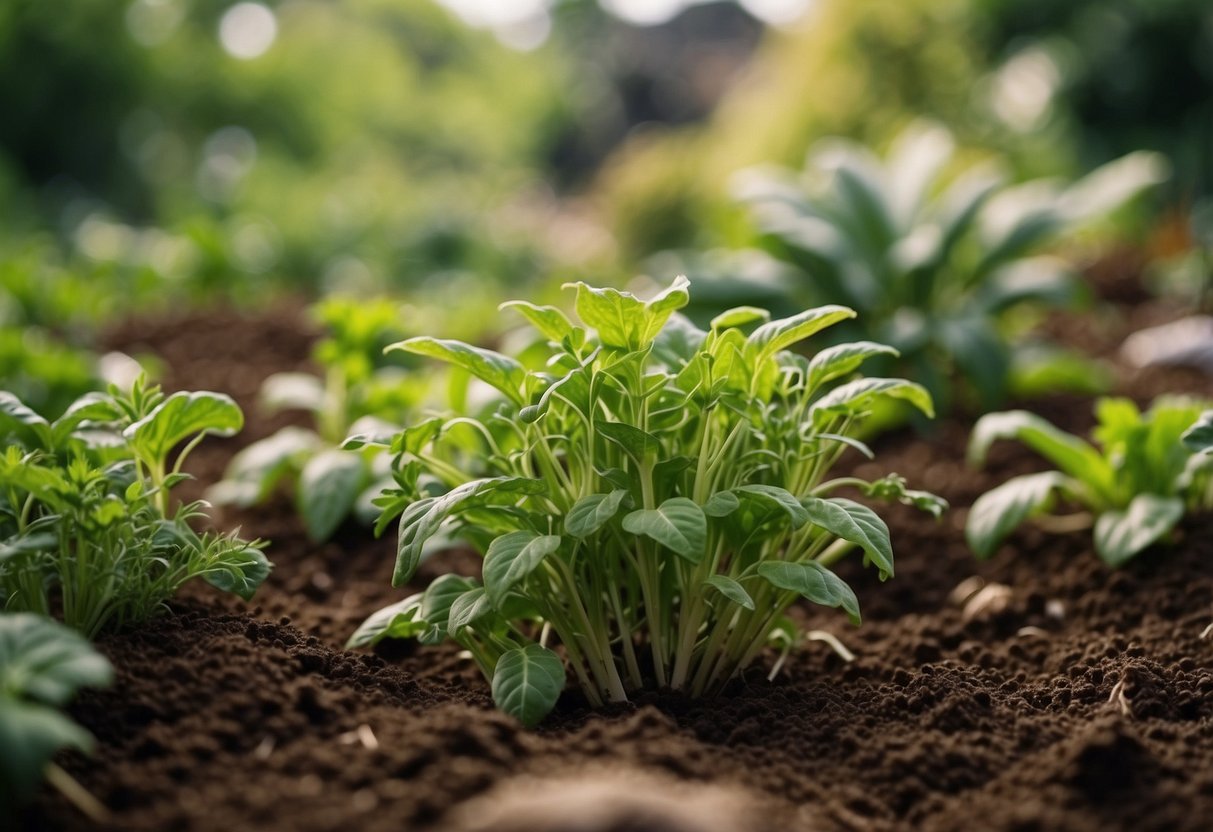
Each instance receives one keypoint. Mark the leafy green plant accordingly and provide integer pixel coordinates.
(654, 496)
(935, 264)
(1144, 472)
(354, 397)
(87, 525)
(42, 665)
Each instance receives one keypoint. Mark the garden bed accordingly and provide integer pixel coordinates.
(1067, 696)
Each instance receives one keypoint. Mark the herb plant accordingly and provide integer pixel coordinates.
(653, 495)
(1144, 472)
(87, 525)
(934, 264)
(354, 396)
(42, 665)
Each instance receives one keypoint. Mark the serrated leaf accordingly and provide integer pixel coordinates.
(328, 487)
(814, 582)
(730, 589)
(1119, 535)
(514, 556)
(527, 682)
(857, 523)
(678, 524)
(999, 511)
(493, 368)
(592, 512)
(183, 415)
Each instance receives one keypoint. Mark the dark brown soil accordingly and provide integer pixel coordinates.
(1065, 696)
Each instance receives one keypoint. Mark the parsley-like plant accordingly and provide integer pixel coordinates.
(1142, 475)
(87, 526)
(653, 495)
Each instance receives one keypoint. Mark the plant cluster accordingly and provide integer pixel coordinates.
(1139, 479)
(934, 263)
(87, 526)
(652, 495)
(355, 395)
(42, 665)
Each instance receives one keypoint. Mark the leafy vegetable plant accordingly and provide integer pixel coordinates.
(1136, 483)
(354, 396)
(935, 265)
(653, 495)
(42, 665)
(86, 521)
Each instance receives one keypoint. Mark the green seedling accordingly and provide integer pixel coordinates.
(650, 495)
(354, 396)
(87, 526)
(42, 665)
(936, 264)
(1143, 473)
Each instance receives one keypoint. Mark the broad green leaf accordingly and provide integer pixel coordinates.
(422, 519)
(467, 609)
(721, 504)
(860, 394)
(512, 557)
(180, 416)
(30, 735)
(328, 487)
(292, 391)
(550, 321)
(43, 660)
(678, 524)
(527, 682)
(592, 512)
(732, 590)
(999, 511)
(843, 359)
(255, 471)
(622, 320)
(436, 603)
(1119, 535)
(778, 335)
(858, 524)
(13, 411)
(238, 569)
(399, 620)
(639, 444)
(779, 498)
(1199, 438)
(1069, 453)
(500, 371)
(91, 407)
(740, 316)
(813, 581)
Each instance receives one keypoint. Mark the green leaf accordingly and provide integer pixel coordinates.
(512, 557)
(721, 504)
(999, 511)
(860, 394)
(13, 411)
(622, 320)
(678, 524)
(732, 590)
(778, 335)
(467, 609)
(739, 316)
(237, 567)
(858, 524)
(422, 519)
(500, 371)
(292, 391)
(328, 488)
(399, 620)
(779, 498)
(44, 660)
(1069, 453)
(1199, 438)
(550, 321)
(30, 735)
(813, 581)
(639, 444)
(180, 416)
(1119, 535)
(592, 512)
(527, 682)
(843, 359)
(436, 603)
(254, 472)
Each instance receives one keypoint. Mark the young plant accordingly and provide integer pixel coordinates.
(653, 495)
(42, 665)
(87, 526)
(1144, 472)
(935, 265)
(354, 396)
